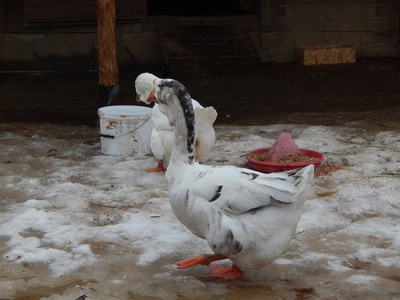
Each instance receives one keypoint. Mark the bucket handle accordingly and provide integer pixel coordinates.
(110, 136)
(107, 135)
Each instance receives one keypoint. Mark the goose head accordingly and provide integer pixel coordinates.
(144, 85)
(173, 99)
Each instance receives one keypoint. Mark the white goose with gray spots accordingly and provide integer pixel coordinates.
(246, 216)
(162, 134)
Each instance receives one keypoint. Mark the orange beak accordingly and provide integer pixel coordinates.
(137, 97)
(151, 97)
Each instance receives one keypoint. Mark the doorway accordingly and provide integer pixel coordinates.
(200, 7)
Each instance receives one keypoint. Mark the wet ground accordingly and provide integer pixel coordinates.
(76, 222)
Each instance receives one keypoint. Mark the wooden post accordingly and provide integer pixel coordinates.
(107, 57)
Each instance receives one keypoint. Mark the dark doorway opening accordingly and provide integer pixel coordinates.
(200, 7)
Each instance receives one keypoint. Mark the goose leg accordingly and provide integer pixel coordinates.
(160, 167)
(204, 259)
(226, 272)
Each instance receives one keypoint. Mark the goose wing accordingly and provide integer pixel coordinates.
(238, 190)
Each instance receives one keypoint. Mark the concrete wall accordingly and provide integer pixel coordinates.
(371, 26)
(280, 47)
(71, 51)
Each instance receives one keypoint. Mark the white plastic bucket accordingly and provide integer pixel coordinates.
(125, 130)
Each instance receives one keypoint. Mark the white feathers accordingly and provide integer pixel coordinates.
(204, 137)
(162, 140)
(233, 208)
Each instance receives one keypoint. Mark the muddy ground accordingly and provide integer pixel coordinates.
(75, 222)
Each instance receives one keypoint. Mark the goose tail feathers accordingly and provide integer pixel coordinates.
(205, 116)
(286, 187)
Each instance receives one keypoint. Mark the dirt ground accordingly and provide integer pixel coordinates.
(365, 93)
(75, 222)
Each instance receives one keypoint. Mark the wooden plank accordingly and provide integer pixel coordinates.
(329, 26)
(334, 15)
(76, 10)
(2, 16)
(329, 13)
(394, 16)
(218, 54)
(210, 47)
(131, 11)
(324, 2)
(57, 3)
(48, 14)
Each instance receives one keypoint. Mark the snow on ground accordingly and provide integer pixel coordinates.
(74, 221)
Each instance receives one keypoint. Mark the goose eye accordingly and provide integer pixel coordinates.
(159, 86)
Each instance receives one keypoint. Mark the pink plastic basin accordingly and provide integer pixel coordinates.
(269, 167)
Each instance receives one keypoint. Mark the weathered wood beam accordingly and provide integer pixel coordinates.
(107, 55)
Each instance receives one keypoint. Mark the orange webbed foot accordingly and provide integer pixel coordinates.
(204, 259)
(190, 262)
(156, 170)
(226, 272)
(160, 167)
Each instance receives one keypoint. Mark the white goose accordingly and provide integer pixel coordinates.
(162, 134)
(246, 216)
